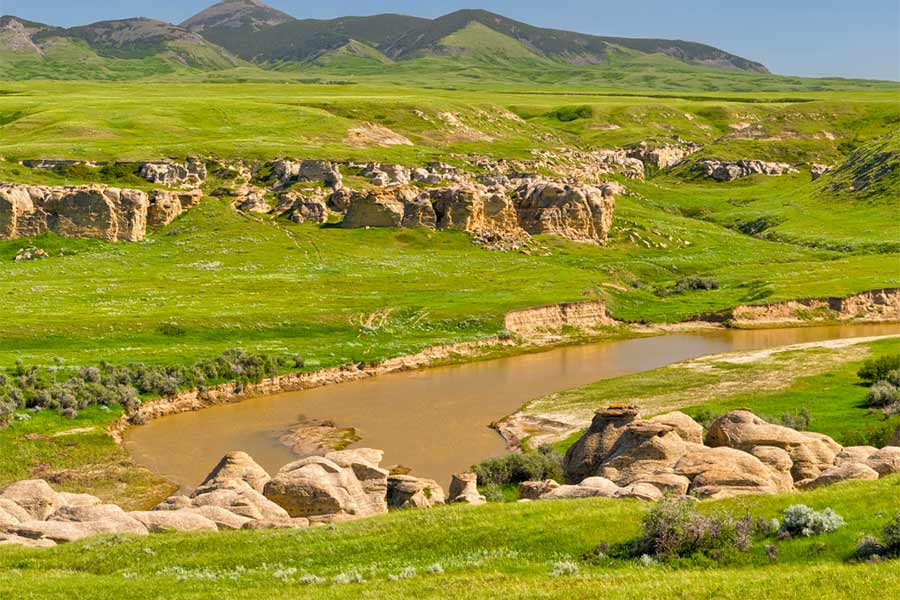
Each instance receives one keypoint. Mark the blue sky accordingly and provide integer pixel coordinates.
(859, 38)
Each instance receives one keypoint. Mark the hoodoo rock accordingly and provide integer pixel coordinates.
(321, 489)
(464, 488)
(238, 465)
(579, 213)
(586, 456)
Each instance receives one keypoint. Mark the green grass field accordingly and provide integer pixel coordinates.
(228, 281)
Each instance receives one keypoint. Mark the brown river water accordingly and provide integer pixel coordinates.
(434, 421)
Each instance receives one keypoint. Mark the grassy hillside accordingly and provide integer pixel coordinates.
(506, 551)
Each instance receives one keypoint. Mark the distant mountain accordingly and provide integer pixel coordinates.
(226, 34)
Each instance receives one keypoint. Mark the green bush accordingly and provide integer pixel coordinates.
(800, 520)
(674, 528)
(567, 114)
(879, 369)
(543, 464)
(881, 395)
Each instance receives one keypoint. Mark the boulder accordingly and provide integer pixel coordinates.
(580, 213)
(742, 430)
(238, 465)
(174, 503)
(687, 428)
(224, 519)
(237, 496)
(643, 451)
(885, 461)
(13, 511)
(339, 200)
(161, 521)
(846, 472)
(63, 532)
(316, 486)
(533, 490)
(584, 458)
(779, 463)
(70, 499)
(406, 491)
(641, 491)
(306, 209)
(464, 488)
(35, 496)
(592, 487)
(854, 454)
(724, 472)
(277, 524)
(327, 172)
(364, 463)
(11, 539)
(419, 212)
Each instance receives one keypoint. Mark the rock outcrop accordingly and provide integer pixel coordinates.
(664, 156)
(730, 170)
(874, 305)
(190, 174)
(586, 316)
(89, 211)
(743, 454)
(406, 491)
(817, 170)
(166, 206)
(579, 213)
(301, 208)
(288, 172)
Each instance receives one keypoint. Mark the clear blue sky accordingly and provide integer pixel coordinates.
(856, 38)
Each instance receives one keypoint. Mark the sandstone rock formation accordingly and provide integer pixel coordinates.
(238, 465)
(730, 170)
(303, 208)
(533, 490)
(547, 320)
(579, 213)
(743, 455)
(166, 206)
(664, 156)
(406, 491)
(91, 211)
(288, 172)
(464, 488)
(191, 173)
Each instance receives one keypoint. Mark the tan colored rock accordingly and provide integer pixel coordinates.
(666, 482)
(643, 451)
(854, 454)
(224, 519)
(63, 532)
(533, 490)
(585, 457)
(35, 496)
(165, 206)
(191, 173)
(14, 511)
(10, 539)
(237, 496)
(377, 208)
(238, 465)
(578, 213)
(161, 521)
(419, 212)
(316, 486)
(742, 430)
(779, 463)
(305, 209)
(464, 488)
(70, 499)
(730, 170)
(641, 491)
(687, 428)
(406, 491)
(846, 472)
(885, 461)
(724, 472)
(364, 464)
(298, 523)
(592, 487)
(174, 503)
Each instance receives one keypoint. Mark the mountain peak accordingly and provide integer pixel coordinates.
(246, 15)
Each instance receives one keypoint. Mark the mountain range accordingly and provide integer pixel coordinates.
(245, 33)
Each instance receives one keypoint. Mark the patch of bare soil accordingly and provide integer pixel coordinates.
(371, 134)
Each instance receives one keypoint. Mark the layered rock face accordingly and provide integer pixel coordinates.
(89, 211)
(579, 213)
(665, 156)
(731, 170)
(166, 206)
(586, 316)
(288, 172)
(622, 455)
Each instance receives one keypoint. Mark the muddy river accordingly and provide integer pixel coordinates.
(434, 421)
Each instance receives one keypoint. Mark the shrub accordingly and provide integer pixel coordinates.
(545, 463)
(674, 528)
(492, 492)
(801, 520)
(893, 378)
(870, 548)
(879, 369)
(7, 409)
(567, 114)
(882, 394)
(891, 534)
(564, 567)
